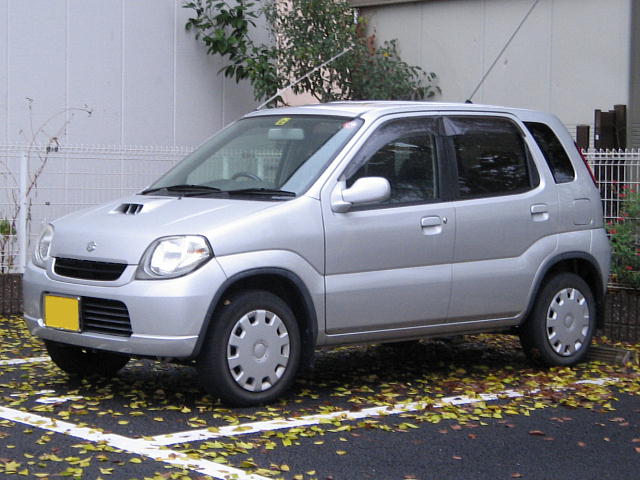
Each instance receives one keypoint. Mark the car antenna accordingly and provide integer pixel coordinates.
(506, 45)
(295, 82)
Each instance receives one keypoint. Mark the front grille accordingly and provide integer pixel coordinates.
(105, 316)
(87, 269)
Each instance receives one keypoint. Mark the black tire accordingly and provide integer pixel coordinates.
(559, 330)
(243, 344)
(84, 362)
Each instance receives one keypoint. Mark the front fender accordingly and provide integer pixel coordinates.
(243, 269)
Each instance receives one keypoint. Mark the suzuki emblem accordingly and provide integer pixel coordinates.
(91, 246)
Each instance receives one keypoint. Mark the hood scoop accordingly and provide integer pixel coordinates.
(135, 208)
(129, 208)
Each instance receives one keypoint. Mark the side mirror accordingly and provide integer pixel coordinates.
(364, 190)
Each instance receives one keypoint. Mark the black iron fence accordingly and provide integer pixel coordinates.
(622, 320)
(10, 294)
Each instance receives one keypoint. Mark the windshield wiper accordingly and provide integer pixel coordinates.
(184, 189)
(262, 191)
(191, 190)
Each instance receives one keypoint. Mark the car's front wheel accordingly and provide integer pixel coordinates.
(561, 325)
(82, 362)
(252, 350)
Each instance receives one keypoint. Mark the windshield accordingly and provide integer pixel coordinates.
(263, 156)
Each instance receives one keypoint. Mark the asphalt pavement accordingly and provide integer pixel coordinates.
(429, 410)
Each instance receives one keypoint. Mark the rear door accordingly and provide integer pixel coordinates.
(506, 216)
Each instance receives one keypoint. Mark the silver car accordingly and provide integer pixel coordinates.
(342, 223)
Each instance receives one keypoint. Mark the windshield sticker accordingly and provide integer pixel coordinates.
(351, 124)
(283, 121)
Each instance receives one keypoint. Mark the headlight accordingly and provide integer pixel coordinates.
(43, 247)
(171, 257)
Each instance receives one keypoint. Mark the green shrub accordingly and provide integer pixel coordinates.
(625, 239)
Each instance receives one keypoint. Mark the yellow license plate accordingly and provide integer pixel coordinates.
(62, 312)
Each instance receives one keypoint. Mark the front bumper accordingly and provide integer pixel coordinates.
(166, 315)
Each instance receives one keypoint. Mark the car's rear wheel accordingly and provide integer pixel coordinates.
(83, 362)
(252, 350)
(560, 327)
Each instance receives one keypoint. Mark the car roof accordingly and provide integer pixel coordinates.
(379, 108)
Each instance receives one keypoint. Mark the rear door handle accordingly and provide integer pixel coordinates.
(540, 212)
(539, 208)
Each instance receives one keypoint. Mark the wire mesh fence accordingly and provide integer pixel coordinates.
(616, 171)
(63, 179)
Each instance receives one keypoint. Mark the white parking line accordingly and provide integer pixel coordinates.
(20, 361)
(56, 400)
(133, 446)
(344, 415)
(130, 445)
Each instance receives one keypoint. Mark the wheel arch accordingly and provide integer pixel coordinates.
(583, 265)
(281, 282)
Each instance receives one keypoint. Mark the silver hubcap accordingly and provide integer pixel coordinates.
(567, 322)
(258, 350)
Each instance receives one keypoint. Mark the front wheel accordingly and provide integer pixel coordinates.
(83, 362)
(252, 350)
(560, 327)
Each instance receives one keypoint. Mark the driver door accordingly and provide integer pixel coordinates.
(388, 264)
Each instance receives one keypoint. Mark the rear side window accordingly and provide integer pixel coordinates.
(491, 156)
(553, 151)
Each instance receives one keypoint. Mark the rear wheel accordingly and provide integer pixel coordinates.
(82, 362)
(561, 325)
(252, 350)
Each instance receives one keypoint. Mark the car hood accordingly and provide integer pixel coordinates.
(121, 231)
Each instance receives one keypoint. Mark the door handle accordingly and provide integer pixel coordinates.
(432, 225)
(431, 222)
(539, 208)
(540, 212)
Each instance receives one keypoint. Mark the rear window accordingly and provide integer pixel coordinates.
(553, 151)
(491, 156)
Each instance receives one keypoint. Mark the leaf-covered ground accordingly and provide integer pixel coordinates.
(150, 398)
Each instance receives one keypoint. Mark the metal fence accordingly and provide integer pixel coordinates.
(616, 171)
(59, 180)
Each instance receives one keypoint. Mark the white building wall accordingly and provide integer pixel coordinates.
(633, 129)
(570, 57)
(146, 79)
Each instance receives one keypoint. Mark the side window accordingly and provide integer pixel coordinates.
(405, 153)
(553, 151)
(491, 156)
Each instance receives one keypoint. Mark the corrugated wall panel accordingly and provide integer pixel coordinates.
(570, 57)
(133, 64)
(634, 96)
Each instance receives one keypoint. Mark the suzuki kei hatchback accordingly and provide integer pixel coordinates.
(342, 223)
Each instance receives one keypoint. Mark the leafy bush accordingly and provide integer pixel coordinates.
(625, 239)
